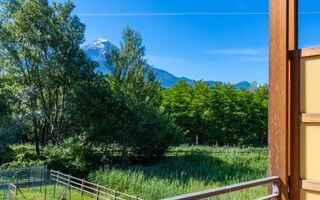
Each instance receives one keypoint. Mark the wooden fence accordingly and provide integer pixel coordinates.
(96, 190)
(118, 152)
(182, 152)
(231, 188)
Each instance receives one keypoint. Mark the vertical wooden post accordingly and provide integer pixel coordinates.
(69, 182)
(115, 195)
(295, 126)
(97, 193)
(278, 94)
(82, 187)
(54, 186)
(294, 111)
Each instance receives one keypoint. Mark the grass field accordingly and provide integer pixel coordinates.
(190, 173)
(35, 193)
(175, 175)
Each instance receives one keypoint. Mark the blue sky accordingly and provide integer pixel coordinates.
(190, 38)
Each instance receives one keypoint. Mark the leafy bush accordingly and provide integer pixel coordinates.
(155, 133)
(20, 156)
(14, 164)
(72, 155)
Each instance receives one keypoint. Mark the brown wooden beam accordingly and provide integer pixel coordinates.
(309, 52)
(293, 25)
(295, 126)
(293, 101)
(278, 94)
(304, 117)
(310, 185)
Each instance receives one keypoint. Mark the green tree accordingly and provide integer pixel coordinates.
(176, 101)
(9, 127)
(219, 114)
(137, 94)
(39, 47)
(189, 102)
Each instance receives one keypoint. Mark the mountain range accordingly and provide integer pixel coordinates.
(97, 49)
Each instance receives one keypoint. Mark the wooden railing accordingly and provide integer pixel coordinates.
(231, 188)
(96, 190)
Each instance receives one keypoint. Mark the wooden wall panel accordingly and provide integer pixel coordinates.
(310, 151)
(310, 85)
(309, 195)
(309, 127)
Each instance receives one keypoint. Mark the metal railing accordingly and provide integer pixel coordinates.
(96, 190)
(231, 188)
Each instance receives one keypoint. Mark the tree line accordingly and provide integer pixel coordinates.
(50, 91)
(219, 114)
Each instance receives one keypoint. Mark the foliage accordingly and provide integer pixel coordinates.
(219, 114)
(41, 56)
(144, 126)
(20, 156)
(9, 128)
(90, 110)
(72, 155)
(184, 174)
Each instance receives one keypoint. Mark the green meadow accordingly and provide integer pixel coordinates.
(176, 175)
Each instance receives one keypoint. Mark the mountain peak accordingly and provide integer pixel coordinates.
(97, 49)
(98, 44)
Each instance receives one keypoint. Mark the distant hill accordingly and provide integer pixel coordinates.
(96, 51)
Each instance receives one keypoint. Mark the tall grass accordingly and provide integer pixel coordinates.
(184, 174)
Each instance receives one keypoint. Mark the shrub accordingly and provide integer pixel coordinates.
(72, 155)
(20, 156)
(155, 133)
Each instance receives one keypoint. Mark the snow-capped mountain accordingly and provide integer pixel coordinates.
(97, 49)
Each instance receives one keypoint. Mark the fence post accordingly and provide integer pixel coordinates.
(57, 177)
(15, 193)
(54, 186)
(82, 187)
(97, 193)
(69, 179)
(115, 194)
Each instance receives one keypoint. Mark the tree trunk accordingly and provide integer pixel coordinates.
(124, 128)
(36, 136)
